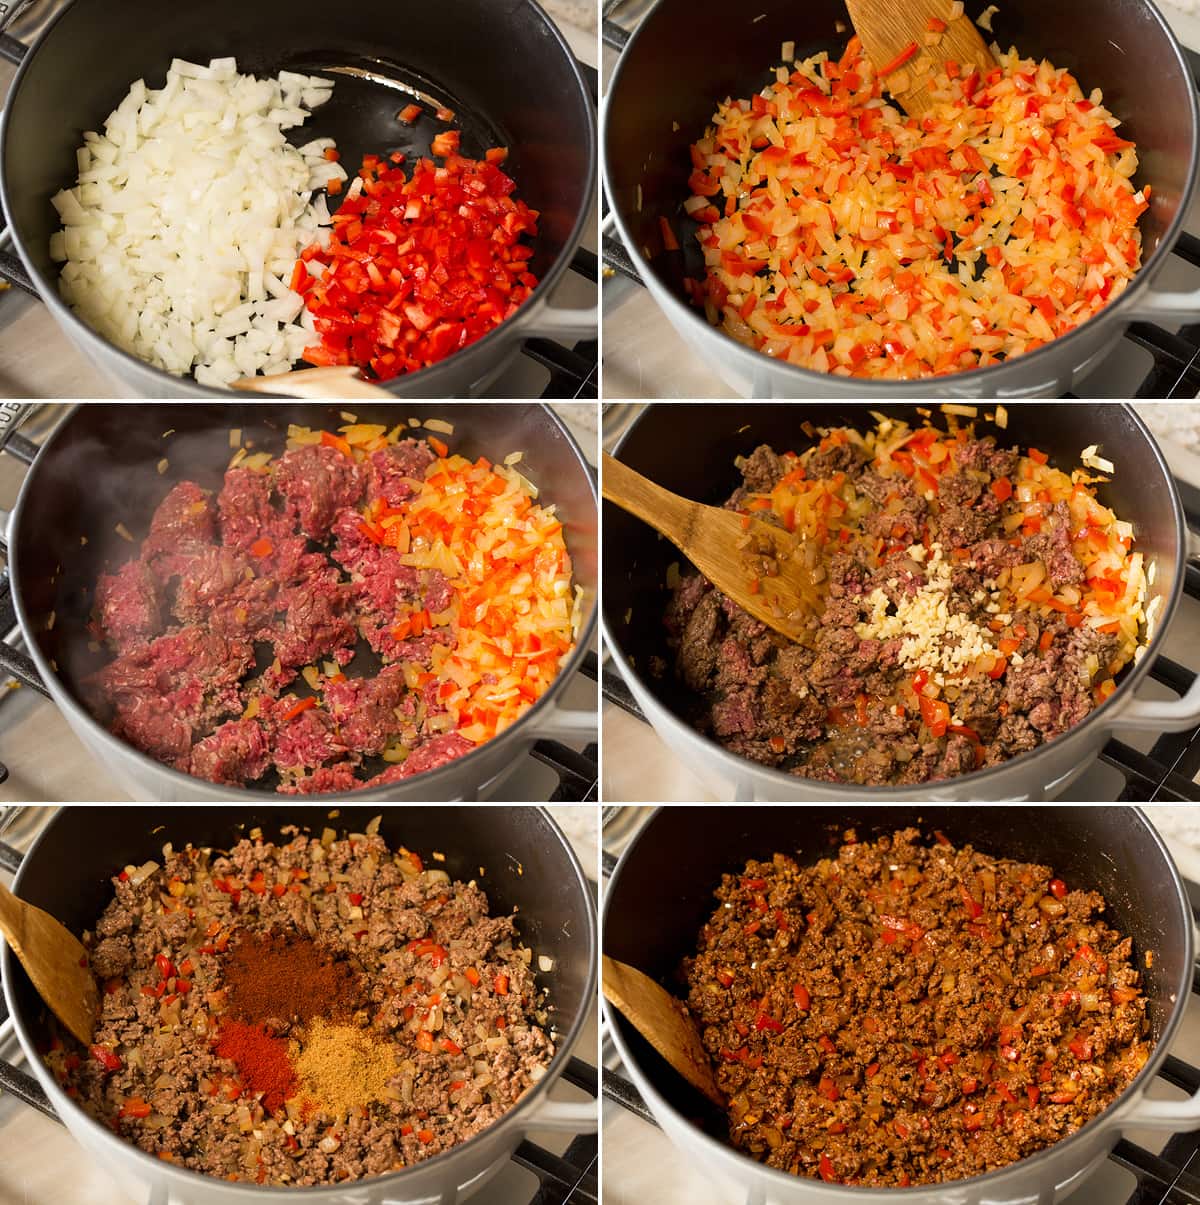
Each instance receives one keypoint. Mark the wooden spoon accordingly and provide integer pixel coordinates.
(715, 541)
(664, 1023)
(56, 962)
(337, 381)
(888, 28)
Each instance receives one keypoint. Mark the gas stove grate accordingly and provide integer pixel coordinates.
(1175, 371)
(1169, 1178)
(578, 773)
(1166, 774)
(567, 1179)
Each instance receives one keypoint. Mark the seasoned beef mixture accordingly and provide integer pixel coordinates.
(209, 1055)
(346, 602)
(976, 603)
(909, 1013)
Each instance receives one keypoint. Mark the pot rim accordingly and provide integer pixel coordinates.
(804, 382)
(186, 1178)
(1097, 722)
(436, 380)
(1107, 1119)
(525, 727)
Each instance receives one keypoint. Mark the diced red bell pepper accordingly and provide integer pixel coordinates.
(935, 714)
(107, 1058)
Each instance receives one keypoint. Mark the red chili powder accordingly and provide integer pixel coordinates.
(262, 1061)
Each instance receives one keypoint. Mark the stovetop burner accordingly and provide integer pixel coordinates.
(1157, 363)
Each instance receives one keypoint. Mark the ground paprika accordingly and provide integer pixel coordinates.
(262, 1061)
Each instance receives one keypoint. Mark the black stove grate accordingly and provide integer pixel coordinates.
(1169, 1178)
(578, 773)
(1166, 774)
(1175, 370)
(567, 1179)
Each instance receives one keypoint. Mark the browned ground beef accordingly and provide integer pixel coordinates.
(369, 907)
(829, 711)
(909, 1012)
(273, 575)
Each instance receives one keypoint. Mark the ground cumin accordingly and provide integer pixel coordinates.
(287, 977)
(340, 1068)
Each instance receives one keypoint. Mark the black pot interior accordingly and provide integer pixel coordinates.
(526, 868)
(652, 919)
(499, 64)
(100, 469)
(653, 116)
(690, 449)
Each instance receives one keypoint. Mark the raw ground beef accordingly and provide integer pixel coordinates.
(230, 598)
(910, 1013)
(380, 912)
(829, 711)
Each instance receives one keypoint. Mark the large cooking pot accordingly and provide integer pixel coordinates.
(652, 920)
(502, 67)
(652, 115)
(99, 467)
(68, 872)
(694, 457)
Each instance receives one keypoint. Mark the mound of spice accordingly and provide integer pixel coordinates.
(340, 1068)
(287, 977)
(262, 1061)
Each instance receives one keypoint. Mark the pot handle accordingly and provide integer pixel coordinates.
(569, 1116)
(551, 322)
(1166, 307)
(1174, 1115)
(1175, 715)
(26, 1089)
(11, 268)
(566, 723)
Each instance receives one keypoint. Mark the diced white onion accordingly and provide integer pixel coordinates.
(187, 218)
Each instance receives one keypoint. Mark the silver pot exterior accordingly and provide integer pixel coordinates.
(478, 775)
(464, 375)
(1043, 773)
(445, 1180)
(1051, 371)
(1043, 1179)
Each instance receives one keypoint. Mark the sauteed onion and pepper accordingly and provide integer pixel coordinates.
(909, 1012)
(978, 601)
(842, 236)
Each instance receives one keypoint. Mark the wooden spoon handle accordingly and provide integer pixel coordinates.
(55, 961)
(666, 512)
(12, 921)
(337, 382)
(664, 1022)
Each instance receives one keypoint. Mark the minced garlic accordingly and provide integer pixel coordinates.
(933, 637)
